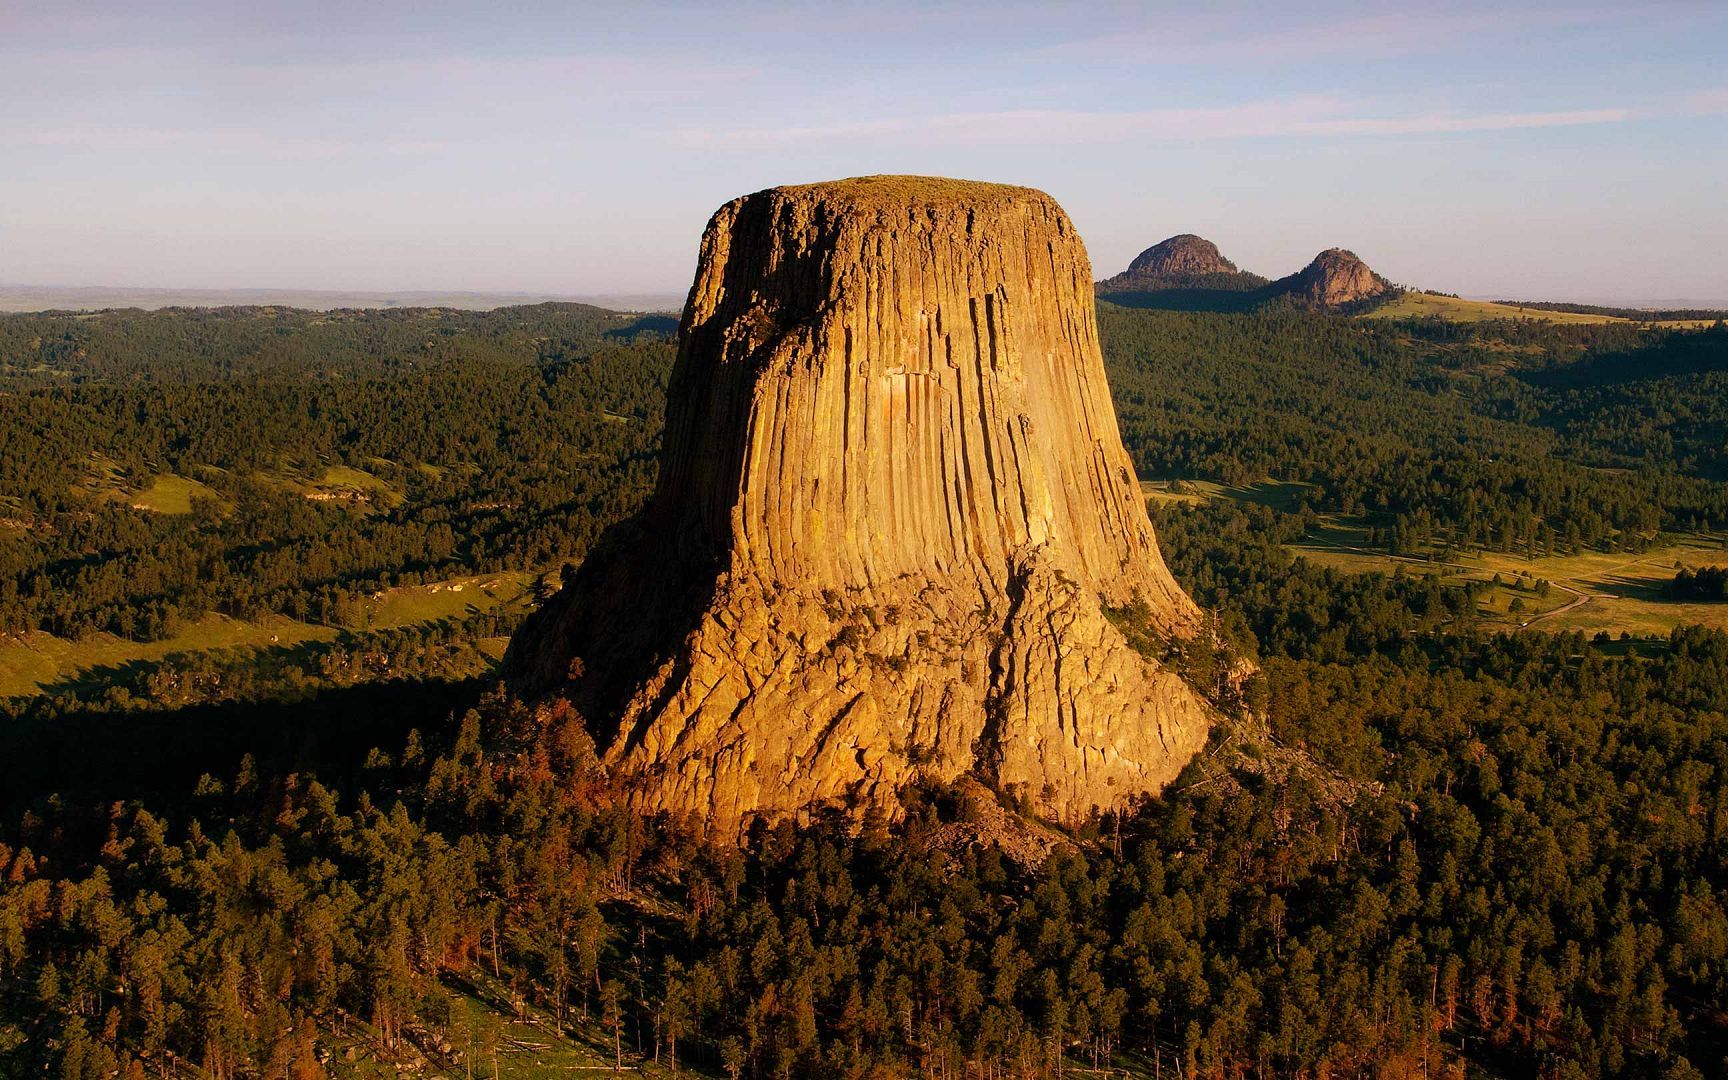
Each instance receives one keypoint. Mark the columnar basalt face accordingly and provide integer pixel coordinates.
(893, 505)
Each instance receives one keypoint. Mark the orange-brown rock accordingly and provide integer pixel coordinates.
(893, 506)
(1184, 253)
(1336, 279)
(1184, 261)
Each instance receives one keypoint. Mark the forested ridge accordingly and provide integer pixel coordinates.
(1514, 435)
(1438, 850)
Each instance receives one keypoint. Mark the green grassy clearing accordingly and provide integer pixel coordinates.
(347, 485)
(492, 1032)
(30, 663)
(455, 598)
(1412, 305)
(168, 494)
(1283, 496)
(1619, 592)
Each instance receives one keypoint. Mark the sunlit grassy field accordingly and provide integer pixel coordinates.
(1592, 591)
(1279, 495)
(342, 483)
(37, 662)
(34, 662)
(169, 494)
(1419, 304)
(495, 1032)
(453, 598)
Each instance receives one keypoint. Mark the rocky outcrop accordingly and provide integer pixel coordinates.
(893, 509)
(1184, 253)
(1187, 272)
(1184, 261)
(1336, 280)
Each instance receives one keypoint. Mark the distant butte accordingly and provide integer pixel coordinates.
(1335, 280)
(893, 528)
(1187, 272)
(1182, 254)
(1184, 261)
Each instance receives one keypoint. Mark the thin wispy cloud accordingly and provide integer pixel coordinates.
(1189, 36)
(245, 143)
(1313, 116)
(1445, 123)
(582, 146)
(320, 78)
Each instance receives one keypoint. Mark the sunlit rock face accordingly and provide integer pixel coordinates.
(893, 506)
(1182, 254)
(1335, 279)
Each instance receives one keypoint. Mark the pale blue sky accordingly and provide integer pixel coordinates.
(1568, 151)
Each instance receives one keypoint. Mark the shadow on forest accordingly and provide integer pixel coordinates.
(1654, 590)
(652, 325)
(90, 755)
(1227, 301)
(1670, 355)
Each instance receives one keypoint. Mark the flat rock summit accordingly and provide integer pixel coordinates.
(893, 511)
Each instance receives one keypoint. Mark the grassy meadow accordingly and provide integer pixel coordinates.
(37, 662)
(1592, 591)
(1416, 305)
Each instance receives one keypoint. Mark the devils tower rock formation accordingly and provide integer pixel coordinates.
(1335, 280)
(1184, 261)
(892, 509)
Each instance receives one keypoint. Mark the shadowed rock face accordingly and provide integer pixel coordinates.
(893, 502)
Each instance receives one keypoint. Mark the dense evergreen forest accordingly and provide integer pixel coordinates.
(1512, 436)
(502, 439)
(1432, 851)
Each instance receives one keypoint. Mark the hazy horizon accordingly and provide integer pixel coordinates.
(18, 298)
(1562, 152)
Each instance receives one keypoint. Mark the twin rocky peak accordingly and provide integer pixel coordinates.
(894, 531)
(1336, 280)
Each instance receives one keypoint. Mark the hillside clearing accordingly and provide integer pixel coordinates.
(1415, 305)
(1593, 592)
(37, 662)
(168, 494)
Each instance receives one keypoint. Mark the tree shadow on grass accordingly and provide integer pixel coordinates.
(652, 326)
